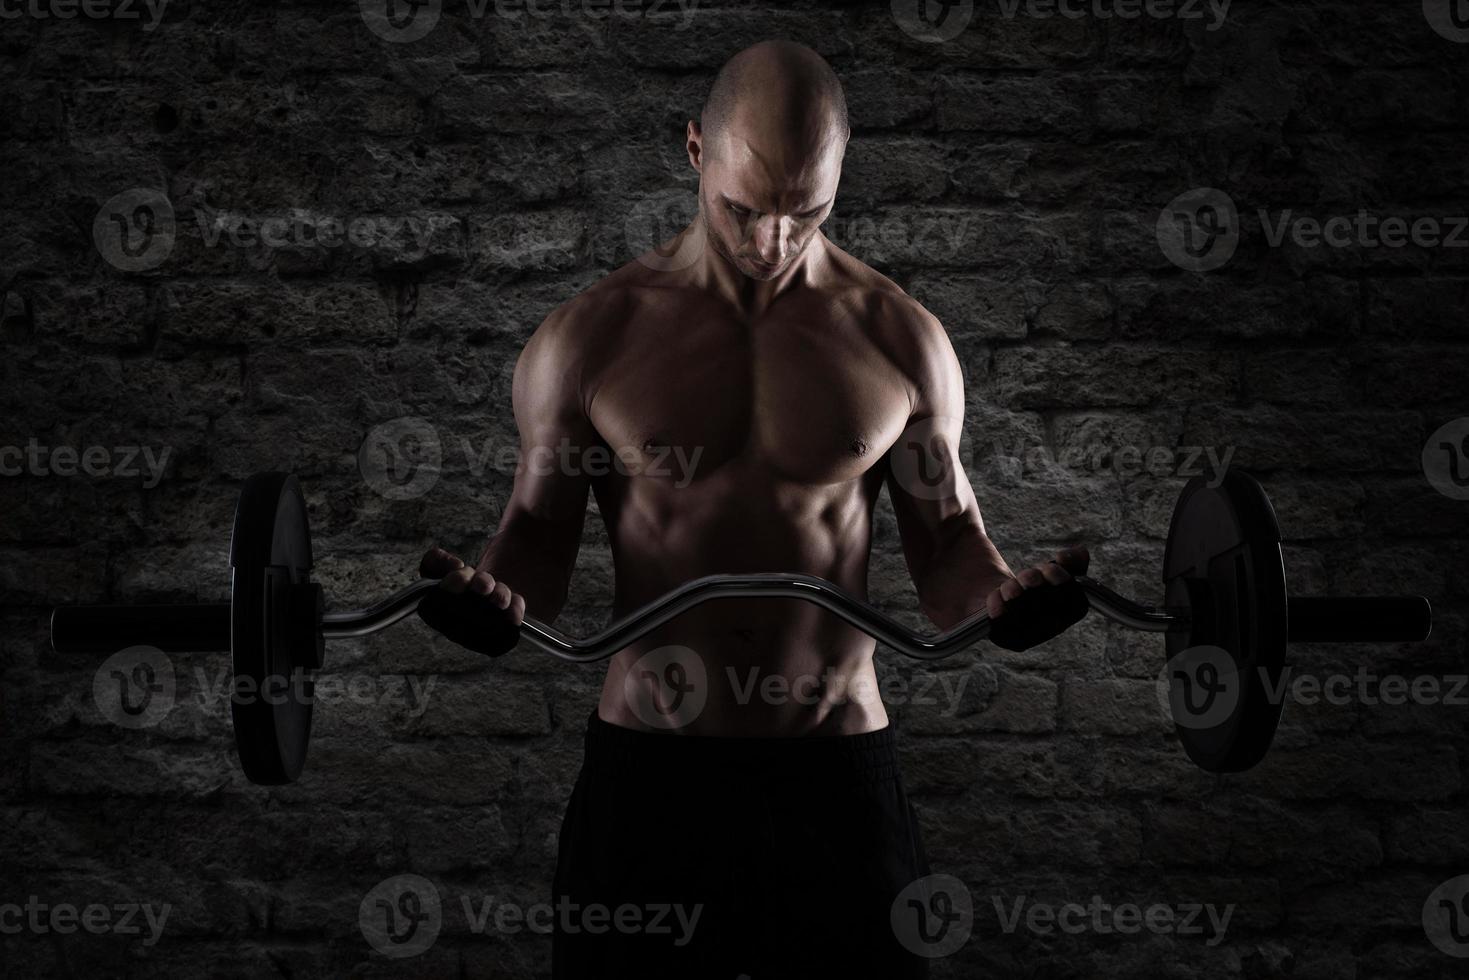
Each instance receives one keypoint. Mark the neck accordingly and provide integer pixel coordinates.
(718, 275)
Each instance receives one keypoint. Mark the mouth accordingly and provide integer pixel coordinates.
(763, 268)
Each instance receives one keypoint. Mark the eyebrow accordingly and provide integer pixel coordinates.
(800, 214)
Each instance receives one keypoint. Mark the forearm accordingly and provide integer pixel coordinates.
(533, 557)
(960, 568)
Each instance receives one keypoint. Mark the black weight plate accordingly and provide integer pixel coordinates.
(270, 551)
(1223, 560)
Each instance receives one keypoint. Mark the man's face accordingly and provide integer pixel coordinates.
(764, 199)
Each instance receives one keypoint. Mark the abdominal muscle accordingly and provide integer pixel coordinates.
(714, 678)
(743, 667)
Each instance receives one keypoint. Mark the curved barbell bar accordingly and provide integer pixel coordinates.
(791, 585)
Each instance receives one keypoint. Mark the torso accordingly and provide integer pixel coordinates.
(749, 444)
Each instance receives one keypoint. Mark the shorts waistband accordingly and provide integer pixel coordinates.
(870, 756)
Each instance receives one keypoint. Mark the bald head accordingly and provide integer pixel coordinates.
(769, 148)
(775, 92)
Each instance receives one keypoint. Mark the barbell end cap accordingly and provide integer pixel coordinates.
(1366, 619)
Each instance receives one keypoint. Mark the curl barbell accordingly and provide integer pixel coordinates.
(1223, 574)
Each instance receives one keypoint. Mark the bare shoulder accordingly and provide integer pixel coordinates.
(581, 341)
(588, 323)
(909, 335)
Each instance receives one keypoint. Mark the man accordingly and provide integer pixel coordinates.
(773, 830)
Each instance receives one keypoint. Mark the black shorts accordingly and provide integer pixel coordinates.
(703, 858)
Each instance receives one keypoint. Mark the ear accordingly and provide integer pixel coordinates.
(694, 143)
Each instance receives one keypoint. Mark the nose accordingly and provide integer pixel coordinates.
(772, 238)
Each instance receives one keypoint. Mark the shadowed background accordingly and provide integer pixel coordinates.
(1010, 178)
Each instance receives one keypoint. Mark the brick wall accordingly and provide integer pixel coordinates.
(1011, 177)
